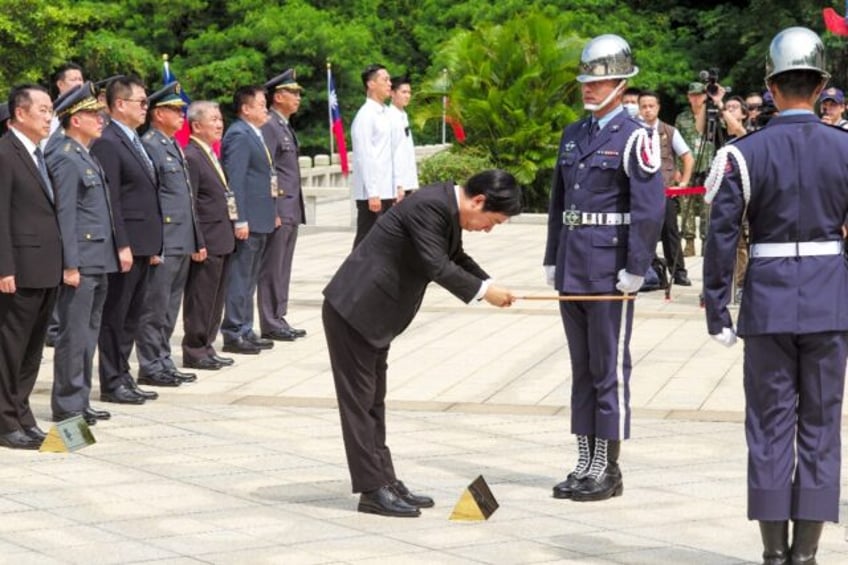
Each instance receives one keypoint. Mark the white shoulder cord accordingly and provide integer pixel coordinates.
(713, 182)
(640, 139)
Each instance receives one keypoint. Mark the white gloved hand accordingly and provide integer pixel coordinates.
(629, 283)
(727, 337)
(550, 274)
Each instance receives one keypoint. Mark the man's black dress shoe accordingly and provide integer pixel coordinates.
(385, 502)
(259, 342)
(202, 364)
(122, 395)
(416, 500)
(242, 346)
(297, 332)
(89, 419)
(181, 377)
(225, 361)
(567, 487)
(280, 335)
(681, 279)
(145, 394)
(608, 485)
(159, 379)
(19, 440)
(35, 433)
(99, 414)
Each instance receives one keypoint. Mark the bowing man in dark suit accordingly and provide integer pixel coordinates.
(89, 249)
(275, 273)
(250, 172)
(206, 286)
(138, 229)
(181, 240)
(376, 293)
(30, 261)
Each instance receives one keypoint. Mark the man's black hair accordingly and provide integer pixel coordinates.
(798, 84)
(369, 73)
(245, 95)
(500, 188)
(19, 97)
(60, 72)
(121, 87)
(397, 82)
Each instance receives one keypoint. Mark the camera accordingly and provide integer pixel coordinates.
(710, 78)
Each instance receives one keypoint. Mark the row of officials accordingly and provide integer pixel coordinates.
(106, 233)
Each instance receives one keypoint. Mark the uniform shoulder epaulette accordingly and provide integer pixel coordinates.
(149, 135)
(67, 147)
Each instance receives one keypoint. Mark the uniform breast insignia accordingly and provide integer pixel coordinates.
(569, 146)
(89, 173)
(163, 141)
(614, 127)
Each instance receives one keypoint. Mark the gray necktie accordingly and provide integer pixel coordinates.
(42, 169)
(144, 156)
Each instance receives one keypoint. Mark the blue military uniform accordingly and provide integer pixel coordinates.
(790, 180)
(605, 215)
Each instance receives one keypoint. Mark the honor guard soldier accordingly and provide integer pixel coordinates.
(89, 247)
(790, 181)
(607, 207)
(182, 242)
(275, 273)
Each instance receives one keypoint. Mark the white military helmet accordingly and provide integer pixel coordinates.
(795, 49)
(606, 57)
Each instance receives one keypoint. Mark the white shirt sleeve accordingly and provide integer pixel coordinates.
(678, 144)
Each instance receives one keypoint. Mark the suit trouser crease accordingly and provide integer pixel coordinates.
(244, 274)
(122, 311)
(275, 276)
(599, 347)
(165, 287)
(79, 311)
(24, 316)
(203, 306)
(793, 393)
(359, 374)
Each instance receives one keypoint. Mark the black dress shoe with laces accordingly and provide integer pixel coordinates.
(607, 485)
(207, 364)
(19, 440)
(224, 361)
(385, 502)
(259, 342)
(280, 335)
(241, 345)
(159, 379)
(35, 433)
(122, 395)
(681, 279)
(416, 500)
(98, 414)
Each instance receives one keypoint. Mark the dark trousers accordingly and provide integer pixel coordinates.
(359, 373)
(121, 314)
(244, 274)
(80, 310)
(365, 218)
(23, 326)
(203, 306)
(165, 286)
(670, 237)
(274, 278)
(598, 336)
(793, 415)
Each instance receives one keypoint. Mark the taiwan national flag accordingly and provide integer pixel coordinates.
(336, 122)
(167, 78)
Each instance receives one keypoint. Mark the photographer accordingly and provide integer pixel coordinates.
(832, 107)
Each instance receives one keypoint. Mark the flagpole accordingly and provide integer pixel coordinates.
(444, 102)
(330, 108)
(166, 70)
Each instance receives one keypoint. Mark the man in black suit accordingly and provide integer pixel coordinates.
(206, 286)
(275, 273)
(376, 293)
(30, 261)
(250, 173)
(138, 231)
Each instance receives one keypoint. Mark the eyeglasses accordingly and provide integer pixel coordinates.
(754, 106)
(142, 103)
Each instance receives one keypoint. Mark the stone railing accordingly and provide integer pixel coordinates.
(322, 177)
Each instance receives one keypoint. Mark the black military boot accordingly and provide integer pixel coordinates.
(805, 541)
(585, 445)
(604, 478)
(775, 542)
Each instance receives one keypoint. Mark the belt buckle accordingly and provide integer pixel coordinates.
(572, 218)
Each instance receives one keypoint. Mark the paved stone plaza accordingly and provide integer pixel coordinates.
(246, 465)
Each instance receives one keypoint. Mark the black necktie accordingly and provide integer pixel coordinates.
(594, 129)
(42, 169)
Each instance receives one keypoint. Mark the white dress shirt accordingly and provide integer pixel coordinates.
(405, 169)
(371, 134)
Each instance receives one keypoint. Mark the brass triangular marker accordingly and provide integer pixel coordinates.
(476, 503)
(68, 435)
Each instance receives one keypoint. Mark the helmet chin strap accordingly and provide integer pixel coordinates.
(603, 104)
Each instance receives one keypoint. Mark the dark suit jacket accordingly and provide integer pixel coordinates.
(249, 173)
(282, 143)
(82, 206)
(210, 197)
(180, 231)
(379, 287)
(134, 194)
(30, 245)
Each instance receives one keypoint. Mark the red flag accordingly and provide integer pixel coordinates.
(456, 126)
(336, 121)
(167, 78)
